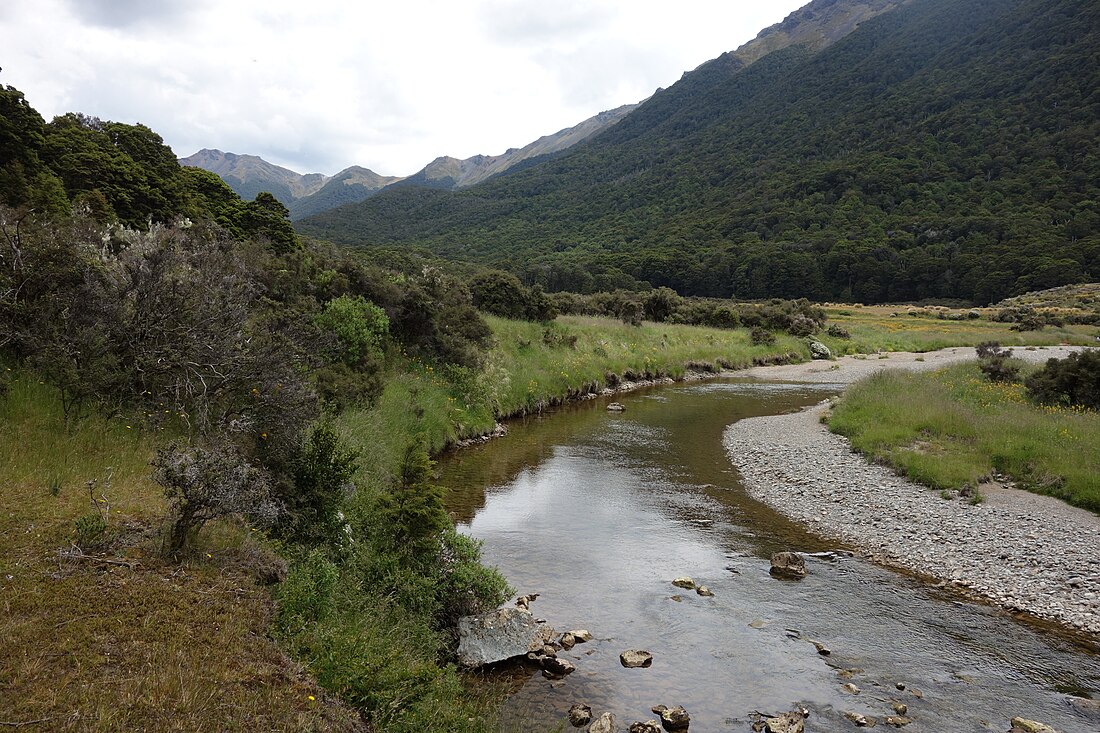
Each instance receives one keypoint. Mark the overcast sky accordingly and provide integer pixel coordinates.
(318, 86)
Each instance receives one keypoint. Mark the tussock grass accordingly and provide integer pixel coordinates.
(95, 647)
(951, 427)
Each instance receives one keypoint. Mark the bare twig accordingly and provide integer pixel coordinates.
(20, 724)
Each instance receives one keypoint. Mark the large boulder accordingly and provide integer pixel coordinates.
(819, 350)
(788, 565)
(499, 635)
(1023, 725)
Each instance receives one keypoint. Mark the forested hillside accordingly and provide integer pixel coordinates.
(947, 148)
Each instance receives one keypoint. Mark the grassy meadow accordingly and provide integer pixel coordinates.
(951, 428)
(891, 328)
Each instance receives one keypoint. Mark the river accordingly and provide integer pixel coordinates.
(599, 511)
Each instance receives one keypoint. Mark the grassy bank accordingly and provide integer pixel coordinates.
(951, 428)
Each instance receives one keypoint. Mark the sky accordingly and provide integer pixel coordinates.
(323, 85)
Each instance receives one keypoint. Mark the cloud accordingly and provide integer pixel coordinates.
(321, 86)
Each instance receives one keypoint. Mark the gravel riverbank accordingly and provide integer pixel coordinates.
(1020, 550)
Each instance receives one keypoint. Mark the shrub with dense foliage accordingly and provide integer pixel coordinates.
(1073, 381)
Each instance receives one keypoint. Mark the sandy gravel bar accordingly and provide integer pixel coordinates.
(1023, 551)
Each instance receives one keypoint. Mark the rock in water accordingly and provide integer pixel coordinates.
(704, 591)
(499, 635)
(616, 407)
(632, 658)
(649, 726)
(604, 724)
(791, 722)
(898, 721)
(581, 635)
(580, 715)
(568, 641)
(684, 582)
(673, 718)
(1023, 725)
(556, 666)
(788, 565)
(860, 721)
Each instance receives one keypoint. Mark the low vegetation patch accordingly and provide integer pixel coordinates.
(953, 428)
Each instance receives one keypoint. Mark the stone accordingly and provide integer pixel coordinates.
(821, 648)
(580, 715)
(898, 721)
(788, 565)
(633, 658)
(684, 582)
(673, 718)
(1023, 725)
(580, 635)
(499, 635)
(792, 722)
(850, 688)
(616, 407)
(860, 721)
(557, 666)
(900, 708)
(604, 724)
(649, 726)
(704, 591)
(757, 623)
(568, 641)
(525, 601)
(819, 350)
(678, 598)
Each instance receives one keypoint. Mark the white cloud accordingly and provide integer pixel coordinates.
(320, 86)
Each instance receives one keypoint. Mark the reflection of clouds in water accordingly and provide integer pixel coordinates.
(763, 388)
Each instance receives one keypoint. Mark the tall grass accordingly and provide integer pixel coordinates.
(951, 427)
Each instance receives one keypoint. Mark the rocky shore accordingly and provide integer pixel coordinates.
(1022, 551)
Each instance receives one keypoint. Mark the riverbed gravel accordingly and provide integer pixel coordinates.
(1022, 551)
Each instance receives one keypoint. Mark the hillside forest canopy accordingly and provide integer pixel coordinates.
(946, 149)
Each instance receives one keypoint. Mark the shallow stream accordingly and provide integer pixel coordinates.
(599, 511)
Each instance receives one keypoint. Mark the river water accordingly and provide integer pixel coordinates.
(599, 511)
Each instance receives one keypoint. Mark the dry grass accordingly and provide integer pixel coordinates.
(90, 646)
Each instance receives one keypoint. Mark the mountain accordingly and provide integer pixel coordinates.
(452, 173)
(942, 148)
(349, 186)
(248, 175)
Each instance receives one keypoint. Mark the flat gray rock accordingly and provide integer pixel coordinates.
(499, 635)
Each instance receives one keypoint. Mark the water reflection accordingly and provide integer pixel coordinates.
(598, 512)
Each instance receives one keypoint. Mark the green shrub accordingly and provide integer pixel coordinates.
(307, 594)
(993, 361)
(761, 336)
(1073, 381)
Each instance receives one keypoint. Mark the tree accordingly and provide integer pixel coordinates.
(265, 219)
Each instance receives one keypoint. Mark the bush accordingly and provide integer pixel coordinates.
(994, 362)
(313, 500)
(838, 332)
(631, 313)
(660, 304)
(762, 336)
(1073, 381)
(203, 484)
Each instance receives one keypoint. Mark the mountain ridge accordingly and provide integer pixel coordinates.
(941, 149)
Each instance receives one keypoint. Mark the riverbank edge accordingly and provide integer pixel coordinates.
(592, 392)
(1033, 533)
